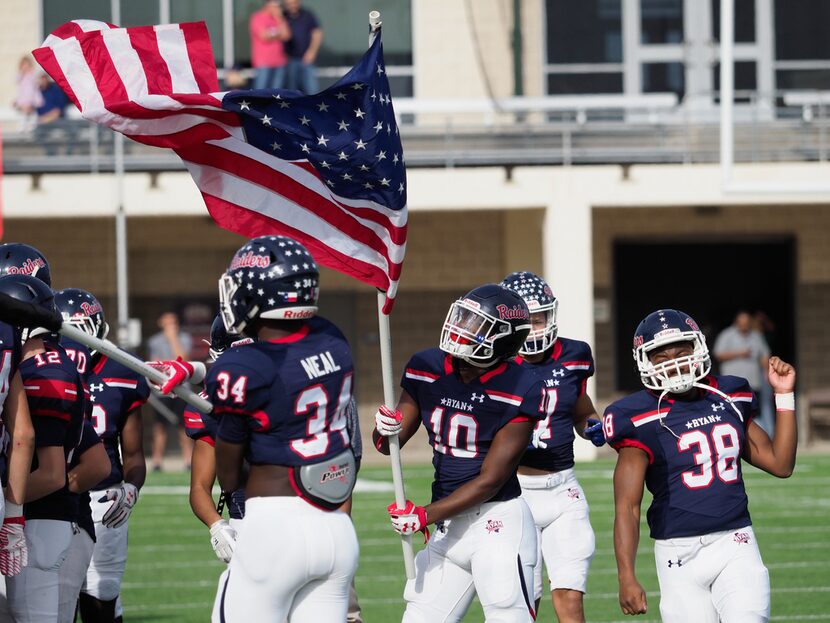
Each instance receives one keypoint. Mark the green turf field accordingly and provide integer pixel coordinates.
(172, 571)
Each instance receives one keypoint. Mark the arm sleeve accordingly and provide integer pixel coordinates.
(198, 426)
(415, 374)
(620, 432)
(239, 395)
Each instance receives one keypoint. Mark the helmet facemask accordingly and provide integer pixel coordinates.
(470, 334)
(228, 288)
(543, 331)
(676, 376)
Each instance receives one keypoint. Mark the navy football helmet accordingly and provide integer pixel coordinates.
(543, 308)
(271, 277)
(677, 376)
(17, 258)
(83, 311)
(487, 325)
(221, 340)
(31, 290)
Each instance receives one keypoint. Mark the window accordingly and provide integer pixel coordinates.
(803, 79)
(801, 29)
(745, 80)
(197, 10)
(588, 31)
(662, 21)
(575, 83)
(57, 12)
(664, 78)
(744, 21)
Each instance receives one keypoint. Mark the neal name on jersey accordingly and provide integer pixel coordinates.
(694, 451)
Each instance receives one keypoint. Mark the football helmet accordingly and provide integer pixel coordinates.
(487, 325)
(676, 376)
(540, 300)
(221, 340)
(17, 258)
(31, 290)
(83, 311)
(271, 277)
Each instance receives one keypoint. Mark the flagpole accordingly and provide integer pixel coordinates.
(385, 335)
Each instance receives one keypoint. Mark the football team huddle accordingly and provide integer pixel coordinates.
(502, 399)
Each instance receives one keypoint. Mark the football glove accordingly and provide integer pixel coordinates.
(594, 433)
(178, 371)
(14, 554)
(409, 519)
(123, 499)
(222, 539)
(536, 438)
(388, 422)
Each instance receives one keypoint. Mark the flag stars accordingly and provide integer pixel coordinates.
(250, 286)
(306, 149)
(340, 95)
(275, 146)
(360, 144)
(295, 267)
(381, 155)
(243, 105)
(380, 69)
(378, 126)
(289, 253)
(343, 126)
(342, 155)
(266, 120)
(363, 167)
(322, 140)
(395, 159)
(260, 291)
(359, 113)
(284, 104)
(323, 107)
(368, 186)
(384, 182)
(330, 183)
(357, 86)
(400, 188)
(304, 120)
(346, 177)
(325, 164)
(373, 96)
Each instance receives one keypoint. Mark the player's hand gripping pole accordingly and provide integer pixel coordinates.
(23, 314)
(136, 365)
(394, 443)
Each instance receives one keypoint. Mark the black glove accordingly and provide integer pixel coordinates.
(27, 315)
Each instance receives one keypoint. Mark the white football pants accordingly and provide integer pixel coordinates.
(489, 551)
(711, 578)
(566, 539)
(72, 574)
(292, 562)
(109, 558)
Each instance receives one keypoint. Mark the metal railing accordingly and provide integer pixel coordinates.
(791, 126)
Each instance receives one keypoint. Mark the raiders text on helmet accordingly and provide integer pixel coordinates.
(271, 277)
(17, 258)
(488, 324)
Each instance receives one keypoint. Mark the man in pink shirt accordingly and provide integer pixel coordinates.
(268, 31)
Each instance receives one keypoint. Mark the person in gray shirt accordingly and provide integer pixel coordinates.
(168, 344)
(742, 351)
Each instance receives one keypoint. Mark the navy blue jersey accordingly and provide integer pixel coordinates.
(115, 391)
(57, 403)
(202, 427)
(694, 471)
(89, 439)
(565, 373)
(9, 364)
(286, 399)
(462, 419)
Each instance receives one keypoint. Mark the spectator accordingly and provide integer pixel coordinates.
(169, 343)
(28, 98)
(269, 30)
(302, 48)
(742, 351)
(51, 116)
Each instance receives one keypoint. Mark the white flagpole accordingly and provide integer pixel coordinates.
(388, 382)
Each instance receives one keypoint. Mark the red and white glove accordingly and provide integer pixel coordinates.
(14, 555)
(123, 499)
(388, 422)
(178, 371)
(409, 519)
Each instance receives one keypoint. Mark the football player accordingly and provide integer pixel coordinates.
(684, 437)
(282, 404)
(479, 408)
(117, 394)
(56, 395)
(546, 471)
(16, 458)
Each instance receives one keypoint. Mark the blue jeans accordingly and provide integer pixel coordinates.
(270, 77)
(302, 77)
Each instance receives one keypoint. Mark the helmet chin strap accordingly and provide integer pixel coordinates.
(704, 387)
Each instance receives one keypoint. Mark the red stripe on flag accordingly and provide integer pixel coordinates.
(145, 44)
(200, 53)
(103, 69)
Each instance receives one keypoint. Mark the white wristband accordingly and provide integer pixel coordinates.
(785, 402)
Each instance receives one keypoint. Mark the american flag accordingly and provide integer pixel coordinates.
(325, 169)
